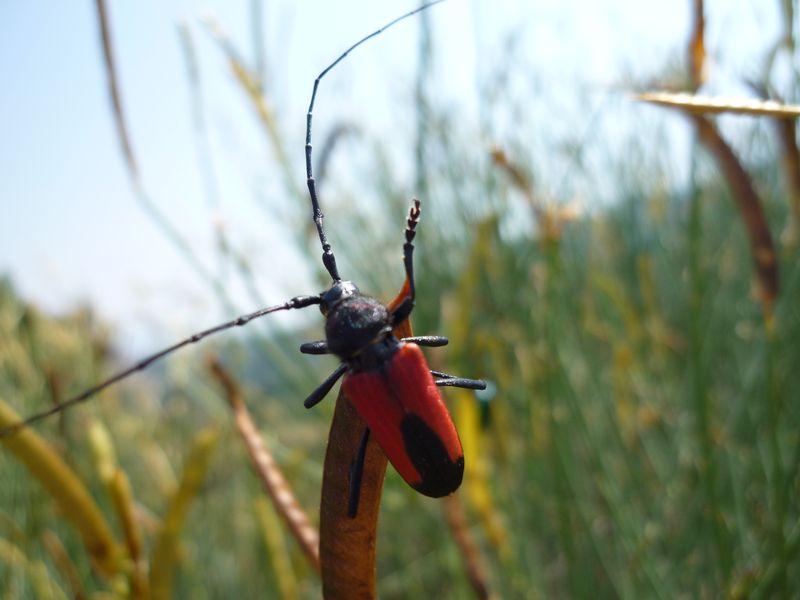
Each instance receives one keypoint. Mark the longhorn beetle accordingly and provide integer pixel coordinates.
(386, 379)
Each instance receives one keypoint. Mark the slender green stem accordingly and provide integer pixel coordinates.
(699, 392)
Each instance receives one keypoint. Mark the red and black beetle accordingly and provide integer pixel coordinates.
(389, 383)
(387, 379)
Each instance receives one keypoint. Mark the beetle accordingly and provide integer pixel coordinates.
(386, 379)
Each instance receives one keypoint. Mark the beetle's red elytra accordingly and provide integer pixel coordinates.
(402, 406)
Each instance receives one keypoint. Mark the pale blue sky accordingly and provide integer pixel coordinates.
(71, 228)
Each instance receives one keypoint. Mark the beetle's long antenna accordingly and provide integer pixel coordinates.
(297, 302)
(328, 259)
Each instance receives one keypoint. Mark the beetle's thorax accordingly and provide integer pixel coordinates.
(354, 321)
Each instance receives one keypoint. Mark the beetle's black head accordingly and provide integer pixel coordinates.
(353, 321)
(338, 292)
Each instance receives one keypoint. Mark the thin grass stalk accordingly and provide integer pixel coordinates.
(699, 391)
(122, 497)
(150, 208)
(473, 561)
(164, 557)
(477, 485)
(259, 43)
(207, 169)
(205, 163)
(113, 90)
(762, 248)
(775, 572)
(64, 564)
(118, 488)
(422, 105)
(697, 49)
(787, 131)
(777, 486)
(249, 83)
(275, 541)
(566, 503)
(520, 181)
(43, 585)
(267, 469)
(790, 158)
(612, 495)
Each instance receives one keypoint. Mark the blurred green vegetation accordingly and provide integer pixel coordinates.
(641, 440)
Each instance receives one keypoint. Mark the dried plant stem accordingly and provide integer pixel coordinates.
(268, 470)
(697, 48)
(702, 105)
(348, 545)
(457, 520)
(113, 90)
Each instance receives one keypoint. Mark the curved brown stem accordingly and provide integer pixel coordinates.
(348, 545)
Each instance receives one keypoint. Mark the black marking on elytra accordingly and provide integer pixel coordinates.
(440, 475)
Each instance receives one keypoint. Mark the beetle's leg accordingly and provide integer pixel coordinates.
(404, 309)
(461, 382)
(317, 347)
(446, 380)
(318, 394)
(432, 341)
(356, 472)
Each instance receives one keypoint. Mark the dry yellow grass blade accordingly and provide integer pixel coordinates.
(702, 105)
(165, 550)
(118, 486)
(122, 496)
(104, 456)
(550, 217)
(251, 85)
(66, 489)
(477, 487)
(275, 540)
